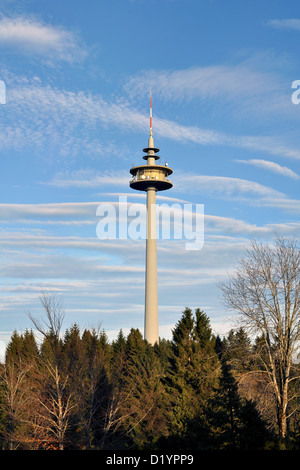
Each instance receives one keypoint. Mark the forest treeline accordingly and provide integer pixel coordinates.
(194, 392)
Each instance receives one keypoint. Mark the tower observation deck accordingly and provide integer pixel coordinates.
(151, 177)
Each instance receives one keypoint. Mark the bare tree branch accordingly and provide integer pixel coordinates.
(265, 292)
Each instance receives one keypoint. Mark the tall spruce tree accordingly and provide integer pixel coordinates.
(192, 375)
(233, 422)
(144, 406)
(21, 348)
(238, 350)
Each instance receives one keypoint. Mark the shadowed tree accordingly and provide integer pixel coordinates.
(192, 375)
(233, 422)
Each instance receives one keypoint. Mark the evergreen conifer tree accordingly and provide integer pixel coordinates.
(234, 422)
(143, 407)
(21, 348)
(191, 377)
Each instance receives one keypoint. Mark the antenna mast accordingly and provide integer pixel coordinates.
(151, 113)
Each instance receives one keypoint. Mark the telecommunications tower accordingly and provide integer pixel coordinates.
(151, 177)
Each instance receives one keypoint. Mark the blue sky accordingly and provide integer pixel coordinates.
(77, 76)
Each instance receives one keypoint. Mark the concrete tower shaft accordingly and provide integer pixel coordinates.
(151, 178)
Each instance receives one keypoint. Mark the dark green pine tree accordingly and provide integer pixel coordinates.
(220, 346)
(87, 358)
(225, 411)
(13, 352)
(109, 398)
(51, 349)
(233, 422)
(119, 358)
(135, 344)
(206, 364)
(91, 347)
(191, 378)
(180, 374)
(30, 347)
(142, 410)
(72, 351)
(238, 350)
(22, 348)
(119, 344)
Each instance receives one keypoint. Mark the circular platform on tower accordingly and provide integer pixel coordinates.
(150, 176)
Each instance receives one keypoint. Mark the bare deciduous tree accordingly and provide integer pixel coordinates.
(50, 327)
(57, 403)
(265, 292)
(13, 381)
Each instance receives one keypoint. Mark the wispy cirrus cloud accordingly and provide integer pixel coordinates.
(207, 185)
(289, 23)
(217, 186)
(13, 240)
(271, 166)
(236, 189)
(252, 88)
(32, 37)
(63, 122)
(17, 212)
(226, 81)
(88, 178)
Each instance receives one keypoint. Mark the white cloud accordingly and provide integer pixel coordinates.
(272, 166)
(253, 90)
(268, 144)
(226, 81)
(87, 279)
(85, 213)
(235, 189)
(69, 209)
(289, 23)
(286, 204)
(231, 226)
(33, 37)
(64, 122)
(40, 117)
(216, 186)
(89, 179)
